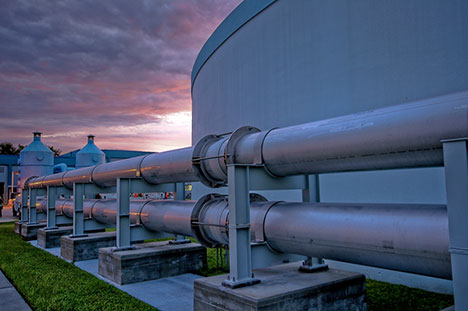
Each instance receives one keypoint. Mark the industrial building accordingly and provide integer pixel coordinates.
(9, 166)
(280, 63)
(322, 131)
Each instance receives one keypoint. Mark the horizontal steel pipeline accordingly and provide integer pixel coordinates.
(401, 136)
(409, 238)
(407, 135)
(156, 215)
(156, 168)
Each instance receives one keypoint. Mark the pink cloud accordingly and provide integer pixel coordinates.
(118, 70)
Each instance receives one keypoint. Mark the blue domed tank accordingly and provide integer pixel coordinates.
(35, 160)
(90, 154)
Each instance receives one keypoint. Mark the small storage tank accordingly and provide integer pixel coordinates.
(35, 160)
(90, 154)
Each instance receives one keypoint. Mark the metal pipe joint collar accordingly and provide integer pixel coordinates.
(210, 219)
(213, 153)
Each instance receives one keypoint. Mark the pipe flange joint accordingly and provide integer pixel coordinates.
(259, 147)
(140, 210)
(258, 223)
(197, 229)
(236, 136)
(91, 177)
(198, 158)
(138, 172)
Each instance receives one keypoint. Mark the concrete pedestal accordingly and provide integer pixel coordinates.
(283, 287)
(48, 238)
(150, 261)
(29, 231)
(86, 247)
(18, 227)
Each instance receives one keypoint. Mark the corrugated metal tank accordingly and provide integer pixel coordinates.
(90, 154)
(36, 159)
(285, 62)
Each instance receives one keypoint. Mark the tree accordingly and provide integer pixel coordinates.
(56, 151)
(8, 148)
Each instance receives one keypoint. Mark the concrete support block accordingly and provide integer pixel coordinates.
(49, 238)
(85, 247)
(29, 231)
(283, 287)
(150, 261)
(18, 227)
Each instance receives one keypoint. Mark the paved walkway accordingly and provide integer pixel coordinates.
(10, 299)
(172, 293)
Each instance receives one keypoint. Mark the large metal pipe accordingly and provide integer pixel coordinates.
(156, 215)
(401, 136)
(410, 238)
(171, 166)
(407, 135)
(398, 237)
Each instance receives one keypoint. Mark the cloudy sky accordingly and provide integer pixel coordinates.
(117, 69)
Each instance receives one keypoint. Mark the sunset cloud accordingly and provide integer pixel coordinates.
(117, 69)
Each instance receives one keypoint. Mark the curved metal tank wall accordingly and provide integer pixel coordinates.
(90, 154)
(36, 159)
(279, 63)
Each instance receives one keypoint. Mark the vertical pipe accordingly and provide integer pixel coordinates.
(456, 179)
(123, 213)
(32, 206)
(239, 228)
(24, 205)
(51, 213)
(78, 217)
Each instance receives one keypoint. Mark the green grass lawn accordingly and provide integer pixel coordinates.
(388, 297)
(49, 283)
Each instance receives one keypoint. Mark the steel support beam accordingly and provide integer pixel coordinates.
(180, 195)
(127, 233)
(80, 224)
(51, 213)
(123, 240)
(240, 254)
(92, 225)
(32, 206)
(78, 216)
(456, 179)
(311, 194)
(63, 191)
(140, 233)
(62, 219)
(24, 206)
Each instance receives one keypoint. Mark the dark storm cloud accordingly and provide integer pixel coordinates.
(74, 66)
